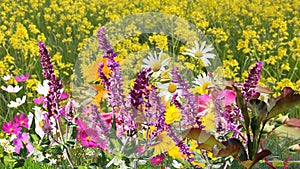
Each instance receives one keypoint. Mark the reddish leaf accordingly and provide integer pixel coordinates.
(285, 101)
(293, 122)
(232, 148)
(248, 164)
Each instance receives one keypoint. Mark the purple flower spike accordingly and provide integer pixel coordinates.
(54, 95)
(249, 87)
(103, 42)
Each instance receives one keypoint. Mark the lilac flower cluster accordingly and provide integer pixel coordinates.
(156, 112)
(54, 95)
(189, 108)
(103, 42)
(249, 87)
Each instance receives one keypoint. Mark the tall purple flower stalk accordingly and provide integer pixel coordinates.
(184, 149)
(189, 107)
(103, 42)
(113, 85)
(156, 113)
(249, 87)
(52, 99)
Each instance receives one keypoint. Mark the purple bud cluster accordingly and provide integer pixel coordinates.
(249, 87)
(140, 91)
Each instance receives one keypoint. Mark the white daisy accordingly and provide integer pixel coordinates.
(202, 52)
(17, 103)
(154, 62)
(43, 89)
(11, 89)
(202, 79)
(168, 90)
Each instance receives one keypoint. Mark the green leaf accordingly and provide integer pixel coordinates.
(9, 161)
(259, 109)
(285, 101)
(208, 141)
(242, 105)
(287, 131)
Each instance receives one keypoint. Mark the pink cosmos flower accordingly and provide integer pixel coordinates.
(21, 120)
(89, 138)
(226, 98)
(39, 100)
(11, 128)
(22, 78)
(157, 159)
(21, 140)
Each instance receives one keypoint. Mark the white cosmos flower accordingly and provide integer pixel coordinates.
(176, 164)
(202, 52)
(11, 89)
(39, 121)
(168, 90)
(154, 62)
(17, 103)
(43, 89)
(7, 77)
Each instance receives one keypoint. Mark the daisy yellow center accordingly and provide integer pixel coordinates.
(41, 123)
(205, 85)
(88, 138)
(172, 88)
(11, 129)
(198, 54)
(156, 66)
(22, 122)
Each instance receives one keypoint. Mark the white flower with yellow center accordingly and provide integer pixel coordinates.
(154, 62)
(203, 52)
(168, 90)
(202, 82)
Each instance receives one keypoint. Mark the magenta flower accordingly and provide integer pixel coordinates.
(157, 159)
(63, 96)
(21, 140)
(11, 128)
(39, 100)
(22, 78)
(21, 120)
(89, 138)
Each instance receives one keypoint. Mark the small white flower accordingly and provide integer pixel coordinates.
(11, 89)
(7, 77)
(176, 164)
(17, 103)
(43, 89)
(202, 52)
(9, 149)
(4, 142)
(52, 161)
(154, 62)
